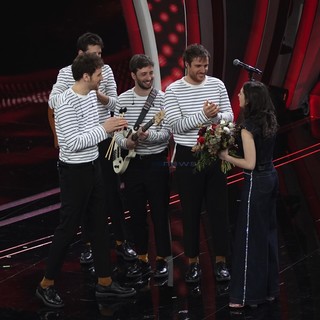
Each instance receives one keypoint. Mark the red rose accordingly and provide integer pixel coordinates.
(202, 131)
(214, 126)
(201, 140)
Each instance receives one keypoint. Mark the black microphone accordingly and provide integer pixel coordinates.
(237, 62)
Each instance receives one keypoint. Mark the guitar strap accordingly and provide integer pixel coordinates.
(153, 93)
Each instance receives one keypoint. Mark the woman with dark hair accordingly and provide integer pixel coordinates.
(255, 276)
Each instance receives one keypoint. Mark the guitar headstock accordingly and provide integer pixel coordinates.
(159, 117)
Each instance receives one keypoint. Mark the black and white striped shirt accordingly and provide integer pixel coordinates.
(184, 107)
(159, 134)
(107, 86)
(77, 126)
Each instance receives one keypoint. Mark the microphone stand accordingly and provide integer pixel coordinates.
(250, 75)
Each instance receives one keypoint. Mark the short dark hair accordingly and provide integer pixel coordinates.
(86, 63)
(139, 61)
(89, 39)
(193, 51)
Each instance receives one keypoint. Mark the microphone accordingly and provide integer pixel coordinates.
(237, 62)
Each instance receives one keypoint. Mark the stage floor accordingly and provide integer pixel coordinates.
(29, 213)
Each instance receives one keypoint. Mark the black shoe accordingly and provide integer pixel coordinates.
(161, 270)
(139, 269)
(86, 256)
(221, 271)
(194, 273)
(51, 314)
(114, 290)
(49, 297)
(126, 252)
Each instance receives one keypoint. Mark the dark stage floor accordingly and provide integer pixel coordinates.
(29, 213)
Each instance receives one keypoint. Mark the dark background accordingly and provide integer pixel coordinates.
(42, 35)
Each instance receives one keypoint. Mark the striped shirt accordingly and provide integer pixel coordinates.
(77, 126)
(159, 135)
(107, 86)
(184, 107)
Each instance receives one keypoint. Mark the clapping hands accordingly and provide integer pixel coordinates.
(210, 109)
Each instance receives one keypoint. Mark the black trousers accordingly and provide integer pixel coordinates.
(82, 194)
(113, 197)
(146, 181)
(208, 188)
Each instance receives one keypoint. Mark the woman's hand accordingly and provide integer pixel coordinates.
(223, 154)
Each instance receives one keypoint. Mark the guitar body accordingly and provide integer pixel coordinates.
(122, 157)
(120, 164)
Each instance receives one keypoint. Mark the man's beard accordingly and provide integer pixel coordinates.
(142, 86)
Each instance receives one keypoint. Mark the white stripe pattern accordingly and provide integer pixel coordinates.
(77, 126)
(107, 86)
(159, 135)
(247, 239)
(184, 107)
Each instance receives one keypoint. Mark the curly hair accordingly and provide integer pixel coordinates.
(259, 107)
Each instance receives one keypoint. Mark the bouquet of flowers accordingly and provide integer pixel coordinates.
(211, 141)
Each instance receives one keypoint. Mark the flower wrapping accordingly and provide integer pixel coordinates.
(211, 141)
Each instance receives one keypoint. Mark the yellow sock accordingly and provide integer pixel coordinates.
(45, 283)
(143, 257)
(160, 258)
(220, 259)
(194, 260)
(105, 281)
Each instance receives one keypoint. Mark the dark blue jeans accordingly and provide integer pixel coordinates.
(255, 270)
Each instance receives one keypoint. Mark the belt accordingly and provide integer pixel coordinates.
(261, 168)
(151, 156)
(264, 166)
(83, 164)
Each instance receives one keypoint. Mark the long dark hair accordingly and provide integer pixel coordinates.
(259, 107)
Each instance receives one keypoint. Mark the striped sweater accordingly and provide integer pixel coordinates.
(184, 107)
(107, 86)
(77, 126)
(159, 134)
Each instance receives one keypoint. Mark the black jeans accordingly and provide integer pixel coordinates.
(82, 193)
(146, 182)
(195, 188)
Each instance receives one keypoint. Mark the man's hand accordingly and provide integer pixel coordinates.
(115, 124)
(130, 143)
(210, 109)
(103, 98)
(142, 135)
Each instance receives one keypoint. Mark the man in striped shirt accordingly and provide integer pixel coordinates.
(81, 185)
(107, 98)
(194, 100)
(146, 179)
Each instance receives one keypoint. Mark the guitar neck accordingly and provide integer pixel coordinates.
(144, 128)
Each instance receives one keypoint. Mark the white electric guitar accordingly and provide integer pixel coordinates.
(122, 157)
